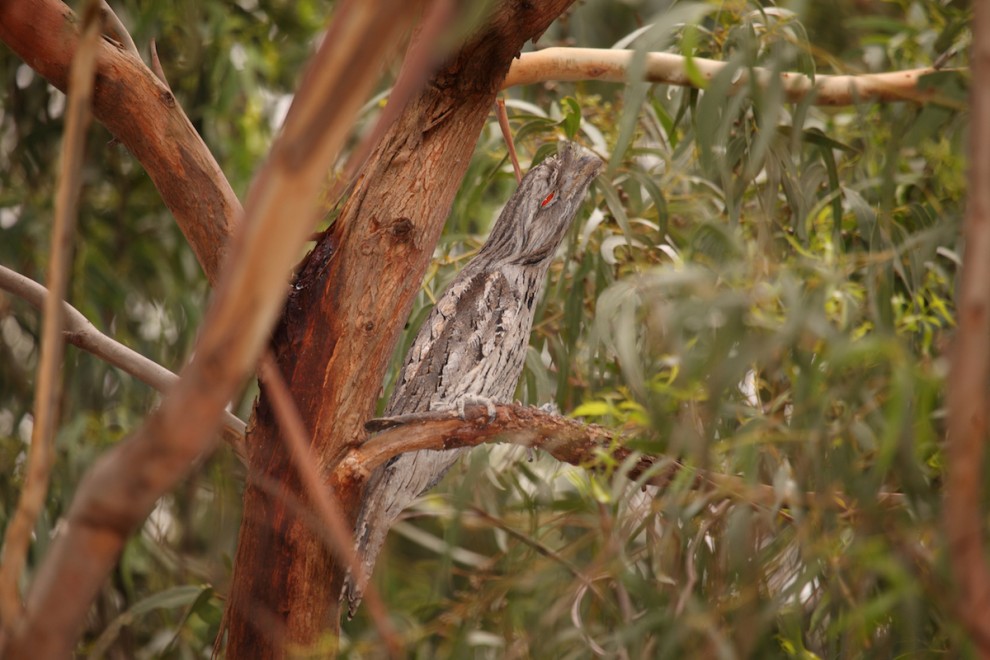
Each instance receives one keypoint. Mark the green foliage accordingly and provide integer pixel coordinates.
(135, 278)
(757, 288)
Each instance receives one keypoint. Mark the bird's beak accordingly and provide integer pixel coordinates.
(581, 165)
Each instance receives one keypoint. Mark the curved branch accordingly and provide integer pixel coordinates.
(81, 333)
(566, 439)
(142, 114)
(572, 64)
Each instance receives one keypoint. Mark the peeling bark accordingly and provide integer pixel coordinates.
(350, 302)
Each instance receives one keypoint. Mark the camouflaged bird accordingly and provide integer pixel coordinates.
(473, 345)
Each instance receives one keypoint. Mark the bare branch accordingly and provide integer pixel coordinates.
(567, 440)
(965, 517)
(156, 64)
(117, 29)
(607, 65)
(79, 332)
(503, 123)
(41, 455)
(142, 114)
(121, 488)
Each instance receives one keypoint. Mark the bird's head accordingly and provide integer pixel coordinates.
(536, 218)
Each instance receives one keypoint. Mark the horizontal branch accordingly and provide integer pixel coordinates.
(567, 440)
(79, 332)
(607, 65)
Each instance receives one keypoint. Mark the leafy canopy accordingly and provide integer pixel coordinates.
(757, 287)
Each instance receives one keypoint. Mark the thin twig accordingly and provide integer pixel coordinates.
(336, 530)
(41, 455)
(116, 26)
(607, 65)
(543, 549)
(690, 559)
(503, 123)
(156, 64)
(79, 332)
(614, 549)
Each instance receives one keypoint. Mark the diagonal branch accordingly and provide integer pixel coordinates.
(41, 455)
(607, 65)
(142, 114)
(81, 333)
(121, 488)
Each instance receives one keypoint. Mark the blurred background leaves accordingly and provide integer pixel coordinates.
(756, 287)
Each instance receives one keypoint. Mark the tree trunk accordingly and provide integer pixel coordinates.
(333, 343)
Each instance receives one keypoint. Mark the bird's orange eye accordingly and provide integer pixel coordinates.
(547, 199)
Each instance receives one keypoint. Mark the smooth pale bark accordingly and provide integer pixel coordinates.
(351, 300)
(608, 65)
(84, 335)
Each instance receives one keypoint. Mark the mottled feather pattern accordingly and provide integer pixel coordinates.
(473, 344)
(472, 321)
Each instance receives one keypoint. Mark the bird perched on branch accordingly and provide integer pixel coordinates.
(472, 347)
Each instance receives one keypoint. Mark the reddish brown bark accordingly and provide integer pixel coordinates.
(354, 294)
(340, 324)
(120, 490)
(142, 113)
(965, 513)
(569, 441)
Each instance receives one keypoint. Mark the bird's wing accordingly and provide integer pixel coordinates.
(458, 351)
(461, 350)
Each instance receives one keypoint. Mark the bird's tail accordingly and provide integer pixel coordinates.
(389, 491)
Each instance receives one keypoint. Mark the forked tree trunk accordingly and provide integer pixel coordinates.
(339, 327)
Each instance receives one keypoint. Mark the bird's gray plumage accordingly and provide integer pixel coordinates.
(473, 344)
